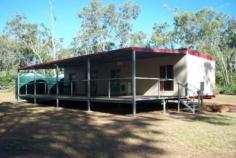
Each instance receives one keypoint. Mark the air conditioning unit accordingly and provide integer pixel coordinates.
(125, 88)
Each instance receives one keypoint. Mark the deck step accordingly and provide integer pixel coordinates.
(189, 106)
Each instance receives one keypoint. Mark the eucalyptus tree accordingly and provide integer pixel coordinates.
(97, 23)
(138, 39)
(10, 57)
(209, 31)
(33, 40)
(162, 36)
(128, 12)
(104, 27)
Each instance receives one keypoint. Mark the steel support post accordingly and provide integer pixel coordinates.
(178, 98)
(71, 88)
(134, 81)
(35, 88)
(202, 104)
(109, 88)
(163, 102)
(88, 85)
(57, 86)
(45, 88)
(26, 89)
(18, 86)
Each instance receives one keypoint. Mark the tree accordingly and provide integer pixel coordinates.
(206, 30)
(33, 40)
(138, 39)
(128, 12)
(209, 31)
(64, 53)
(162, 36)
(52, 30)
(97, 23)
(104, 27)
(10, 57)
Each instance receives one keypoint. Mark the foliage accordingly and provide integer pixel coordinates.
(209, 31)
(22, 43)
(7, 78)
(206, 30)
(105, 27)
(64, 53)
(229, 89)
(33, 40)
(138, 39)
(162, 37)
(128, 12)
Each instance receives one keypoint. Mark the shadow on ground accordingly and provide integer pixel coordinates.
(112, 108)
(206, 117)
(29, 131)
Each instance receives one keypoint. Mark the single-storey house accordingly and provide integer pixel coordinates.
(129, 75)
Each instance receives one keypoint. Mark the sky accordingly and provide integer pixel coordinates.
(66, 11)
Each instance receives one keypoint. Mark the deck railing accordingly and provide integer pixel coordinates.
(79, 87)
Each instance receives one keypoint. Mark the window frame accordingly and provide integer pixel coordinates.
(167, 72)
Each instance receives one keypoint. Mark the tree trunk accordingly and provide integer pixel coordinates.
(224, 69)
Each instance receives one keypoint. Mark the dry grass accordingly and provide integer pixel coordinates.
(27, 130)
(7, 96)
(223, 99)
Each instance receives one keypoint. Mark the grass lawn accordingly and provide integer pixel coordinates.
(36, 131)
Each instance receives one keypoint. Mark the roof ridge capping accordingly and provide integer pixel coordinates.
(200, 54)
(176, 51)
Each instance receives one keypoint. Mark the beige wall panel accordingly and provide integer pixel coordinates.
(148, 67)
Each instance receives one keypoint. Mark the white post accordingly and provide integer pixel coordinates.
(134, 81)
(88, 85)
(164, 105)
(57, 86)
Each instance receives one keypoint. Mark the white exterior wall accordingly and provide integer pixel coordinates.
(201, 70)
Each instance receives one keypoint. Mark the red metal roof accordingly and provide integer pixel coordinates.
(50, 64)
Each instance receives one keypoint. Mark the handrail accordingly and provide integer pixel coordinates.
(147, 78)
(198, 93)
(185, 86)
(194, 87)
(104, 79)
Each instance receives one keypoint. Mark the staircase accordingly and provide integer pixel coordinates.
(188, 100)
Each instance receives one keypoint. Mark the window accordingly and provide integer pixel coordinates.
(166, 72)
